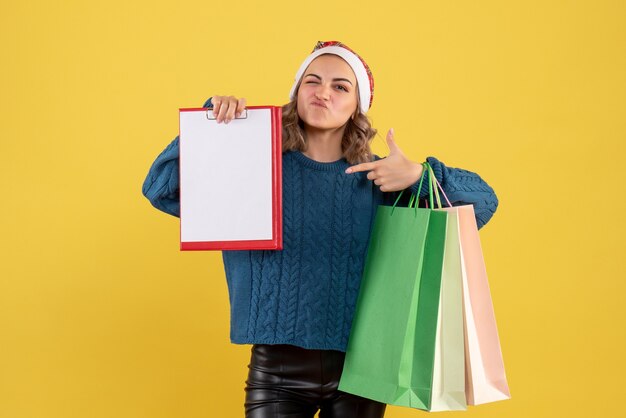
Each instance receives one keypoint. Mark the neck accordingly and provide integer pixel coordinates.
(324, 146)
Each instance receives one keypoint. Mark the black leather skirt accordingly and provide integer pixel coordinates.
(289, 381)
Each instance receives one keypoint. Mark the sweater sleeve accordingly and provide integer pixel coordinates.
(161, 186)
(462, 187)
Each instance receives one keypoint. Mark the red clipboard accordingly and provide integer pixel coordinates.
(231, 180)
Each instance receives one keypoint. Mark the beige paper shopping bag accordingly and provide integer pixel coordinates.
(448, 392)
(485, 379)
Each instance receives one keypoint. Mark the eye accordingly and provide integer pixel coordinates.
(342, 87)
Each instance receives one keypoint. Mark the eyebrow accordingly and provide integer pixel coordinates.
(334, 79)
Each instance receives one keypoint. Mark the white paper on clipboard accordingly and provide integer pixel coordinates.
(226, 177)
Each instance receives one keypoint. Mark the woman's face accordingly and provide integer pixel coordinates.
(327, 96)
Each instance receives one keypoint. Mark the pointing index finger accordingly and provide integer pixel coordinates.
(361, 167)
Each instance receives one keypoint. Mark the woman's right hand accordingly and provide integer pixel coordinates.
(226, 107)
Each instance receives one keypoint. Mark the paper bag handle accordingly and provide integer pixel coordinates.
(413, 199)
(434, 184)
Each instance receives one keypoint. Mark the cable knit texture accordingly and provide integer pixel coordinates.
(305, 294)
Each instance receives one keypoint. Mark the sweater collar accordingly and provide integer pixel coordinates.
(339, 165)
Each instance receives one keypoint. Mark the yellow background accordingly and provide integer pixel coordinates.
(101, 315)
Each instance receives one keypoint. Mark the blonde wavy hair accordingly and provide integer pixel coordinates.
(355, 143)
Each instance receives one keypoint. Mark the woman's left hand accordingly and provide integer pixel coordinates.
(393, 173)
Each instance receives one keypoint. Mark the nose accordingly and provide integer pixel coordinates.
(321, 92)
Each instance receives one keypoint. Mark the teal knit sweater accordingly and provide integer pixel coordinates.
(305, 294)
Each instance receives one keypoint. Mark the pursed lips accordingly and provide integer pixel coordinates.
(319, 104)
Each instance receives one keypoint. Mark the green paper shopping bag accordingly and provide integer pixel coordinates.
(391, 350)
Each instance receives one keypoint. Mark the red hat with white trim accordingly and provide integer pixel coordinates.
(362, 72)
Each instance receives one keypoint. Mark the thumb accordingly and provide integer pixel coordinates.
(393, 147)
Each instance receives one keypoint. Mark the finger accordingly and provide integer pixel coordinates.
(222, 112)
(389, 187)
(372, 175)
(241, 105)
(232, 108)
(362, 167)
(393, 147)
(217, 102)
(378, 182)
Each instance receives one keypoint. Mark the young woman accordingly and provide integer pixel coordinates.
(295, 306)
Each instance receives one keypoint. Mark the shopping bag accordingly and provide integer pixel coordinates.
(449, 367)
(485, 378)
(391, 350)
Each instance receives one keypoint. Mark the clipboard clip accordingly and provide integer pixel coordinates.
(209, 114)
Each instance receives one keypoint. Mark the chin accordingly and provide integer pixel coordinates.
(322, 126)
(321, 123)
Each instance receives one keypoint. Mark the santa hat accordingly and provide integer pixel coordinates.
(363, 74)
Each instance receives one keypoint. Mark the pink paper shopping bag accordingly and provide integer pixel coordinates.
(485, 379)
